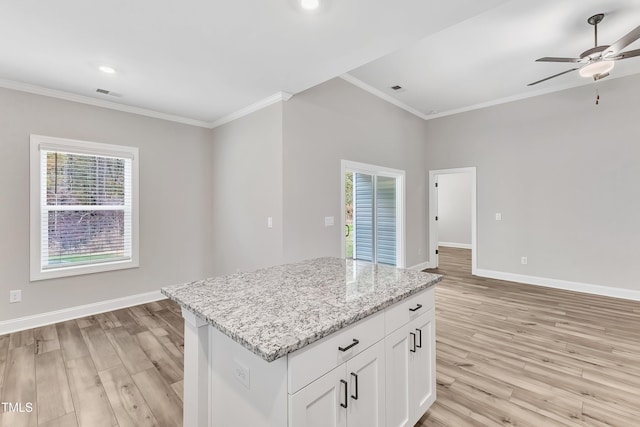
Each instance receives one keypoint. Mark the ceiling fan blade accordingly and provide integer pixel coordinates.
(554, 59)
(627, 54)
(551, 77)
(625, 41)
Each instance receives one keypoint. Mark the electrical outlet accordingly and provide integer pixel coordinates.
(15, 296)
(523, 260)
(242, 373)
(328, 221)
(269, 222)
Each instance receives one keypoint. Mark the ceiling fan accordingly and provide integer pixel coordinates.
(597, 61)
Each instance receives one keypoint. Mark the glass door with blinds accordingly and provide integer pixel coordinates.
(374, 214)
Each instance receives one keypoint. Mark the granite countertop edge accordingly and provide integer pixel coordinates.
(270, 356)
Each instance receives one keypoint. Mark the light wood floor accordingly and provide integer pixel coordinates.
(518, 355)
(122, 368)
(507, 355)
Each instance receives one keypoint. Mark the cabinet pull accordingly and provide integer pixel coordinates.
(346, 395)
(417, 307)
(355, 396)
(419, 337)
(355, 342)
(413, 350)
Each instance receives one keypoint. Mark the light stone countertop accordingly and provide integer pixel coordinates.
(277, 310)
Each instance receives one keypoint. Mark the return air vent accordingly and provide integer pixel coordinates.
(103, 91)
(396, 87)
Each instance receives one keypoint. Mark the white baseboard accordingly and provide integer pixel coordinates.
(37, 320)
(455, 245)
(421, 266)
(566, 285)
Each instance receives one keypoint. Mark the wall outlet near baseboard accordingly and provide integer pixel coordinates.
(523, 260)
(15, 295)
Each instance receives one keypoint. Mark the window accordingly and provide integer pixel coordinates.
(84, 215)
(373, 213)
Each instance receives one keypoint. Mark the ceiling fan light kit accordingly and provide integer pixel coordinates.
(598, 61)
(597, 70)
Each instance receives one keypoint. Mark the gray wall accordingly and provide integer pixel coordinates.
(565, 175)
(174, 201)
(335, 121)
(454, 208)
(247, 188)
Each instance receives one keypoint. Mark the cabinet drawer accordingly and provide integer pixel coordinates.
(408, 309)
(314, 360)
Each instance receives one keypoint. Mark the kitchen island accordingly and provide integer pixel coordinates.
(322, 342)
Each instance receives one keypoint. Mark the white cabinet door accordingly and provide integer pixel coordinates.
(397, 349)
(422, 365)
(366, 377)
(319, 403)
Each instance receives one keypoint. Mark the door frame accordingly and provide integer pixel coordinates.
(433, 212)
(346, 165)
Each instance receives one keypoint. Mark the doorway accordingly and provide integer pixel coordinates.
(373, 213)
(434, 212)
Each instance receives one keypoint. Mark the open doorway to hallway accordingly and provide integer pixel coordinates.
(452, 212)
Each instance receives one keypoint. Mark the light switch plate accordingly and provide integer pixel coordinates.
(269, 222)
(328, 221)
(498, 217)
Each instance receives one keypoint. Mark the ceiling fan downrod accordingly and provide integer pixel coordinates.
(595, 20)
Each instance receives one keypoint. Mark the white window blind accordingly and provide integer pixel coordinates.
(86, 207)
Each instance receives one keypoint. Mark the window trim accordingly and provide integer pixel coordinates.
(80, 147)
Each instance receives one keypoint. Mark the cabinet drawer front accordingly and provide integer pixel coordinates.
(401, 313)
(314, 360)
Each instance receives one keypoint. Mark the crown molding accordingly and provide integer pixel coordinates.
(54, 93)
(276, 97)
(380, 94)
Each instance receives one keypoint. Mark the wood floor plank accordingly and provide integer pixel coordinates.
(127, 402)
(178, 387)
(4, 353)
(162, 400)
(89, 398)
(128, 349)
(160, 357)
(71, 341)
(571, 359)
(52, 387)
(102, 352)
(68, 420)
(19, 387)
(22, 338)
(108, 320)
(87, 321)
(46, 339)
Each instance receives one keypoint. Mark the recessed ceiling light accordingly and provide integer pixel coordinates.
(107, 69)
(310, 4)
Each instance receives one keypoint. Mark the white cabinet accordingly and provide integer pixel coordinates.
(398, 379)
(318, 404)
(422, 364)
(410, 367)
(351, 395)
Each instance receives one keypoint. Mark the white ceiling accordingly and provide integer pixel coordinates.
(490, 58)
(199, 61)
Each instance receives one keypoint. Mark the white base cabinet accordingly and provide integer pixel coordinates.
(350, 395)
(377, 372)
(410, 354)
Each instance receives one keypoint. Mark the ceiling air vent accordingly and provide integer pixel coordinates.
(396, 87)
(103, 91)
